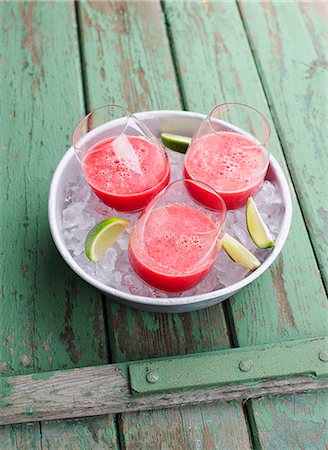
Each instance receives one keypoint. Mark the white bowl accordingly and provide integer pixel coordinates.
(184, 123)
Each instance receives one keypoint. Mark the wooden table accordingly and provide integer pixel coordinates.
(59, 60)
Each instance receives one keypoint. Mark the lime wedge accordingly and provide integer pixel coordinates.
(102, 236)
(257, 229)
(175, 142)
(239, 253)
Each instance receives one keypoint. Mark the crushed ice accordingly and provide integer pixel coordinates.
(83, 209)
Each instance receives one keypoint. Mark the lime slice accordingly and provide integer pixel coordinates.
(239, 253)
(257, 229)
(102, 236)
(175, 142)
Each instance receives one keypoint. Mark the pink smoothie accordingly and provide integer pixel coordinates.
(230, 163)
(126, 172)
(173, 247)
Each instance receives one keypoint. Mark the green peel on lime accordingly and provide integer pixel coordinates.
(175, 142)
(239, 253)
(102, 236)
(257, 229)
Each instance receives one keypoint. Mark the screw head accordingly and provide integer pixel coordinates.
(323, 355)
(152, 377)
(245, 365)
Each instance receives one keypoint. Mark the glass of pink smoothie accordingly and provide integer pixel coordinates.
(121, 160)
(230, 152)
(176, 240)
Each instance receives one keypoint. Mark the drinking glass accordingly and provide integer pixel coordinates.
(121, 160)
(176, 240)
(230, 152)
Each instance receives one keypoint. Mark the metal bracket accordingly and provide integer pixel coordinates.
(238, 365)
(233, 374)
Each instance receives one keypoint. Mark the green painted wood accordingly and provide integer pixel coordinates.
(290, 297)
(172, 382)
(292, 422)
(288, 302)
(295, 82)
(42, 303)
(48, 318)
(20, 436)
(135, 335)
(96, 433)
(204, 427)
(127, 60)
(123, 59)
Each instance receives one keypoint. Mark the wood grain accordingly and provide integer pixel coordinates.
(290, 297)
(43, 304)
(295, 102)
(293, 285)
(96, 433)
(292, 421)
(289, 301)
(127, 60)
(295, 84)
(23, 436)
(205, 427)
(106, 389)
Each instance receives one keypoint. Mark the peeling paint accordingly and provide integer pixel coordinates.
(42, 376)
(5, 388)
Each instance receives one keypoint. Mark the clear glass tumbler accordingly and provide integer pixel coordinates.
(121, 160)
(176, 240)
(229, 152)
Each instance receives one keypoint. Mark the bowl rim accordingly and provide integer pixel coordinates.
(178, 301)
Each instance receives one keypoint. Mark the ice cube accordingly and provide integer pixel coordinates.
(81, 192)
(208, 284)
(176, 162)
(229, 272)
(72, 215)
(123, 242)
(159, 294)
(267, 195)
(85, 264)
(116, 280)
(136, 286)
(70, 240)
(108, 260)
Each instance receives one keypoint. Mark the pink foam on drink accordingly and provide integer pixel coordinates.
(230, 163)
(125, 172)
(174, 247)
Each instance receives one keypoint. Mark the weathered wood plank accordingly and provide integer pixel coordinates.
(114, 388)
(24, 436)
(292, 422)
(205, 427)
(135, 335)
(127, 60)
(298, 421)
(294, 281)
(96, 433)
(295, 84)
(288, 301)
(290, 297)
(43, 305)
(38, 291)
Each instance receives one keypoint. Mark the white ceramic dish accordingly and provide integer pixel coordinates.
(184, 123)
